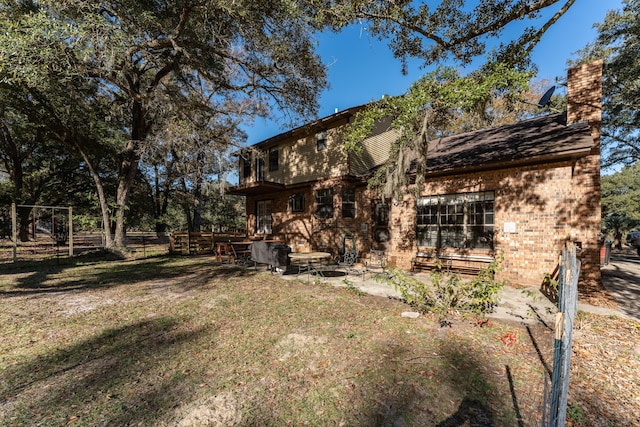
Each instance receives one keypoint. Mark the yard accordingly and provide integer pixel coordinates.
(185, 341)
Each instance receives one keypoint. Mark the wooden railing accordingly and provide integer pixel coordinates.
(199, 242)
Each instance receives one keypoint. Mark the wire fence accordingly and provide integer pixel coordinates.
(45, 245)
(556, 388)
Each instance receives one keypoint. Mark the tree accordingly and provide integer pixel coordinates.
(40, 170)
(141, 55)
(431, 109)
(620, 200)
(454, 30)
(618, 44)
(457, 31)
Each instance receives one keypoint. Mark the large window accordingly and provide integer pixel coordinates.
(462, 221)
(324, 203)
(273, 159)
(348, 203)
(263, 217)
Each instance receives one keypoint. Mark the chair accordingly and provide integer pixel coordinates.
(348, 262)
(241, 257)
(376, 263)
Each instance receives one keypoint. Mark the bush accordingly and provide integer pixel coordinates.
(448, 293)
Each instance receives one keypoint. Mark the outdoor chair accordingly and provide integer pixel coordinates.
(376, 262)
(241, 257)
(348, 262)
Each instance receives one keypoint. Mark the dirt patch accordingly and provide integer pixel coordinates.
(216, 411)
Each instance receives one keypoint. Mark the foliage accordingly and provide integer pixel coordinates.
(145, 62)
(617, 44)
(620, 200)
(452, 30)
(447, 293)
(431, 109)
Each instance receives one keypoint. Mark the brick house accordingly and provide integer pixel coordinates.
(519, 190)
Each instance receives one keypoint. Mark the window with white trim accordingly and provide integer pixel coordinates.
(348, 203)
(324, 203)
(460, 221)
(296, 203)
(273, 159)
(321, 140)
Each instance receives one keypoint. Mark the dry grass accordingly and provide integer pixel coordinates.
(184, 341)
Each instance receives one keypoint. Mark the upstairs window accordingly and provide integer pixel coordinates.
(259, 169)
(461, 221)
(296, 203)
(348, 203)
(246, 167)
(321, 140)
(273, 159)
(324, 203)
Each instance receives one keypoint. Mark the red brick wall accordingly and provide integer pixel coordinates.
(541, 201)
(303, 231)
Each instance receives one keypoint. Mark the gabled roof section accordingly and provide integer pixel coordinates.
(537, 140)
(328, 122)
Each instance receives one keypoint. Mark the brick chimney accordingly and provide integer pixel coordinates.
(584, 97)
(584, 105)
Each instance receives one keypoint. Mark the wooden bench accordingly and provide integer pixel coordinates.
(467, 264)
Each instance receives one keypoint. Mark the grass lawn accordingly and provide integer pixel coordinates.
(183, 341)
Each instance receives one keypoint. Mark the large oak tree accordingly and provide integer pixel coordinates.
(140, 55)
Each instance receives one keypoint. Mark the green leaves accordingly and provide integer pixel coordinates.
(430, 110)
(618, 43)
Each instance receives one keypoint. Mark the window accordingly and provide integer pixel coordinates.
(324, 203)
(246, 167)
(381, 214)
(348, 203)
(259, 169)
(296, 203)
(273, 158)
(321, 140)
(456, 221)
(263, 217)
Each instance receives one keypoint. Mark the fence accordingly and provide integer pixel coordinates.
(556, 388)
(188, 243)
(44, 245)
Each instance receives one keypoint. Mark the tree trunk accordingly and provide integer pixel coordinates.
(102, 199)
(128, 170)
(197, 194)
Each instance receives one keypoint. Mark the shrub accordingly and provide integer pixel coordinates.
(449, 293)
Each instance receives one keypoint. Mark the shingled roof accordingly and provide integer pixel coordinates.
(537, 140)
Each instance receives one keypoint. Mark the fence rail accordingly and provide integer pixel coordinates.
(45, 245)
(187, 243)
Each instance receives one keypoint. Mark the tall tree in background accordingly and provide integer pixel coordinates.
(620, 201)
(141, 54)
(618, 44)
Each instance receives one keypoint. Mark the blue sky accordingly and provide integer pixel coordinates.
(362, 69)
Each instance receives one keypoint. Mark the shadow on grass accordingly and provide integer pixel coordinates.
(49, 276)
(461, 377)
(57, 386)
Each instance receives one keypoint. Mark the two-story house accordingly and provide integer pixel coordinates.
(519, 190)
